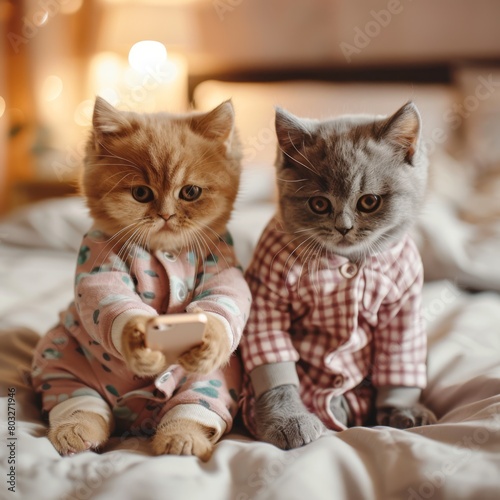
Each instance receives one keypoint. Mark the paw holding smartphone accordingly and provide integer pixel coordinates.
(175, 334)
(213, 352)
(141, 359)
(196, 341)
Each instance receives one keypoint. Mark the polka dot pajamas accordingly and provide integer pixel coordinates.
(81, 357)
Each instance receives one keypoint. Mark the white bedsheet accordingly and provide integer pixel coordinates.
(459, 458)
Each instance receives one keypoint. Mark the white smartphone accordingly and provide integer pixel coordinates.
(174, 334)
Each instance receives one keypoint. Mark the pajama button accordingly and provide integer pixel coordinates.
(338, 381)
(348, 270)
(169, 256)
(162, 378)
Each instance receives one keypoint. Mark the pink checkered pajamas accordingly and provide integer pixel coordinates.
(349, 327)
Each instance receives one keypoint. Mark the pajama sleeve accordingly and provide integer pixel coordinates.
(221, 289)
(400, 337)
(267, 339)
(105, 292)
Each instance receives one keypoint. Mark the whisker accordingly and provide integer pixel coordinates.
(303, 156)
(315, 261)
(119, 181)
(203, 235)
(112, 155)
(300, 163)
(112, 240)
(297, 255)
(291, 180)
(379, 254)
(304, 255)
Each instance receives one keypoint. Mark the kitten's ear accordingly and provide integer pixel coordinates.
(402, 129)
(292, 132)
(216, 124)
(107, 119)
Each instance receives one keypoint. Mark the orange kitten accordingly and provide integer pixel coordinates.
(129, 152)
(160, 188)
(158, 155)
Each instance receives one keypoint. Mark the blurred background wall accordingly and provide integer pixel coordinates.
(146, 55)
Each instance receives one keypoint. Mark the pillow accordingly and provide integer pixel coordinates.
(57, 224)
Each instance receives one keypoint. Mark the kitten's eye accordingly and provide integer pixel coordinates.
(142, 194)
(320, 205)
(369, 203)
(190, 193)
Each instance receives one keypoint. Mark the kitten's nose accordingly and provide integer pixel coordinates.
(343, 230)
(166, 217)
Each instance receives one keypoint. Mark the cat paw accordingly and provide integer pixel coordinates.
(405, 417)
(147, 363)
(81, 431)
(141, 360)
(213, 353)
(203, 359)
(282, 419)
(183, 437)
(291, 432)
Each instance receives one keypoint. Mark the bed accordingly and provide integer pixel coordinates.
(459, 237)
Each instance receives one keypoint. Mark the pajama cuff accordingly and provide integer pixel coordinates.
(397, 396)
(273, 375)
(119, 323)
(91, 404)
(200, 414)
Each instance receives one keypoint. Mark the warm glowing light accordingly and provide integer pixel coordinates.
(162, 87)
(41, 19)
(147, 55)
(110, 95)
(132, 78)
(71, 6)
(83, 113)
(2, 106)
(52, 88)
(169, 71)
(106, 69)
(156, 2)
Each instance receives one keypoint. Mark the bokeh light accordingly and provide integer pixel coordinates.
(83, 113)
(52, 88)
(71, 6)
(146, 55)
(110, 95)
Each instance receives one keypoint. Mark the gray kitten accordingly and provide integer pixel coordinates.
(362, 149)
(351, 186)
